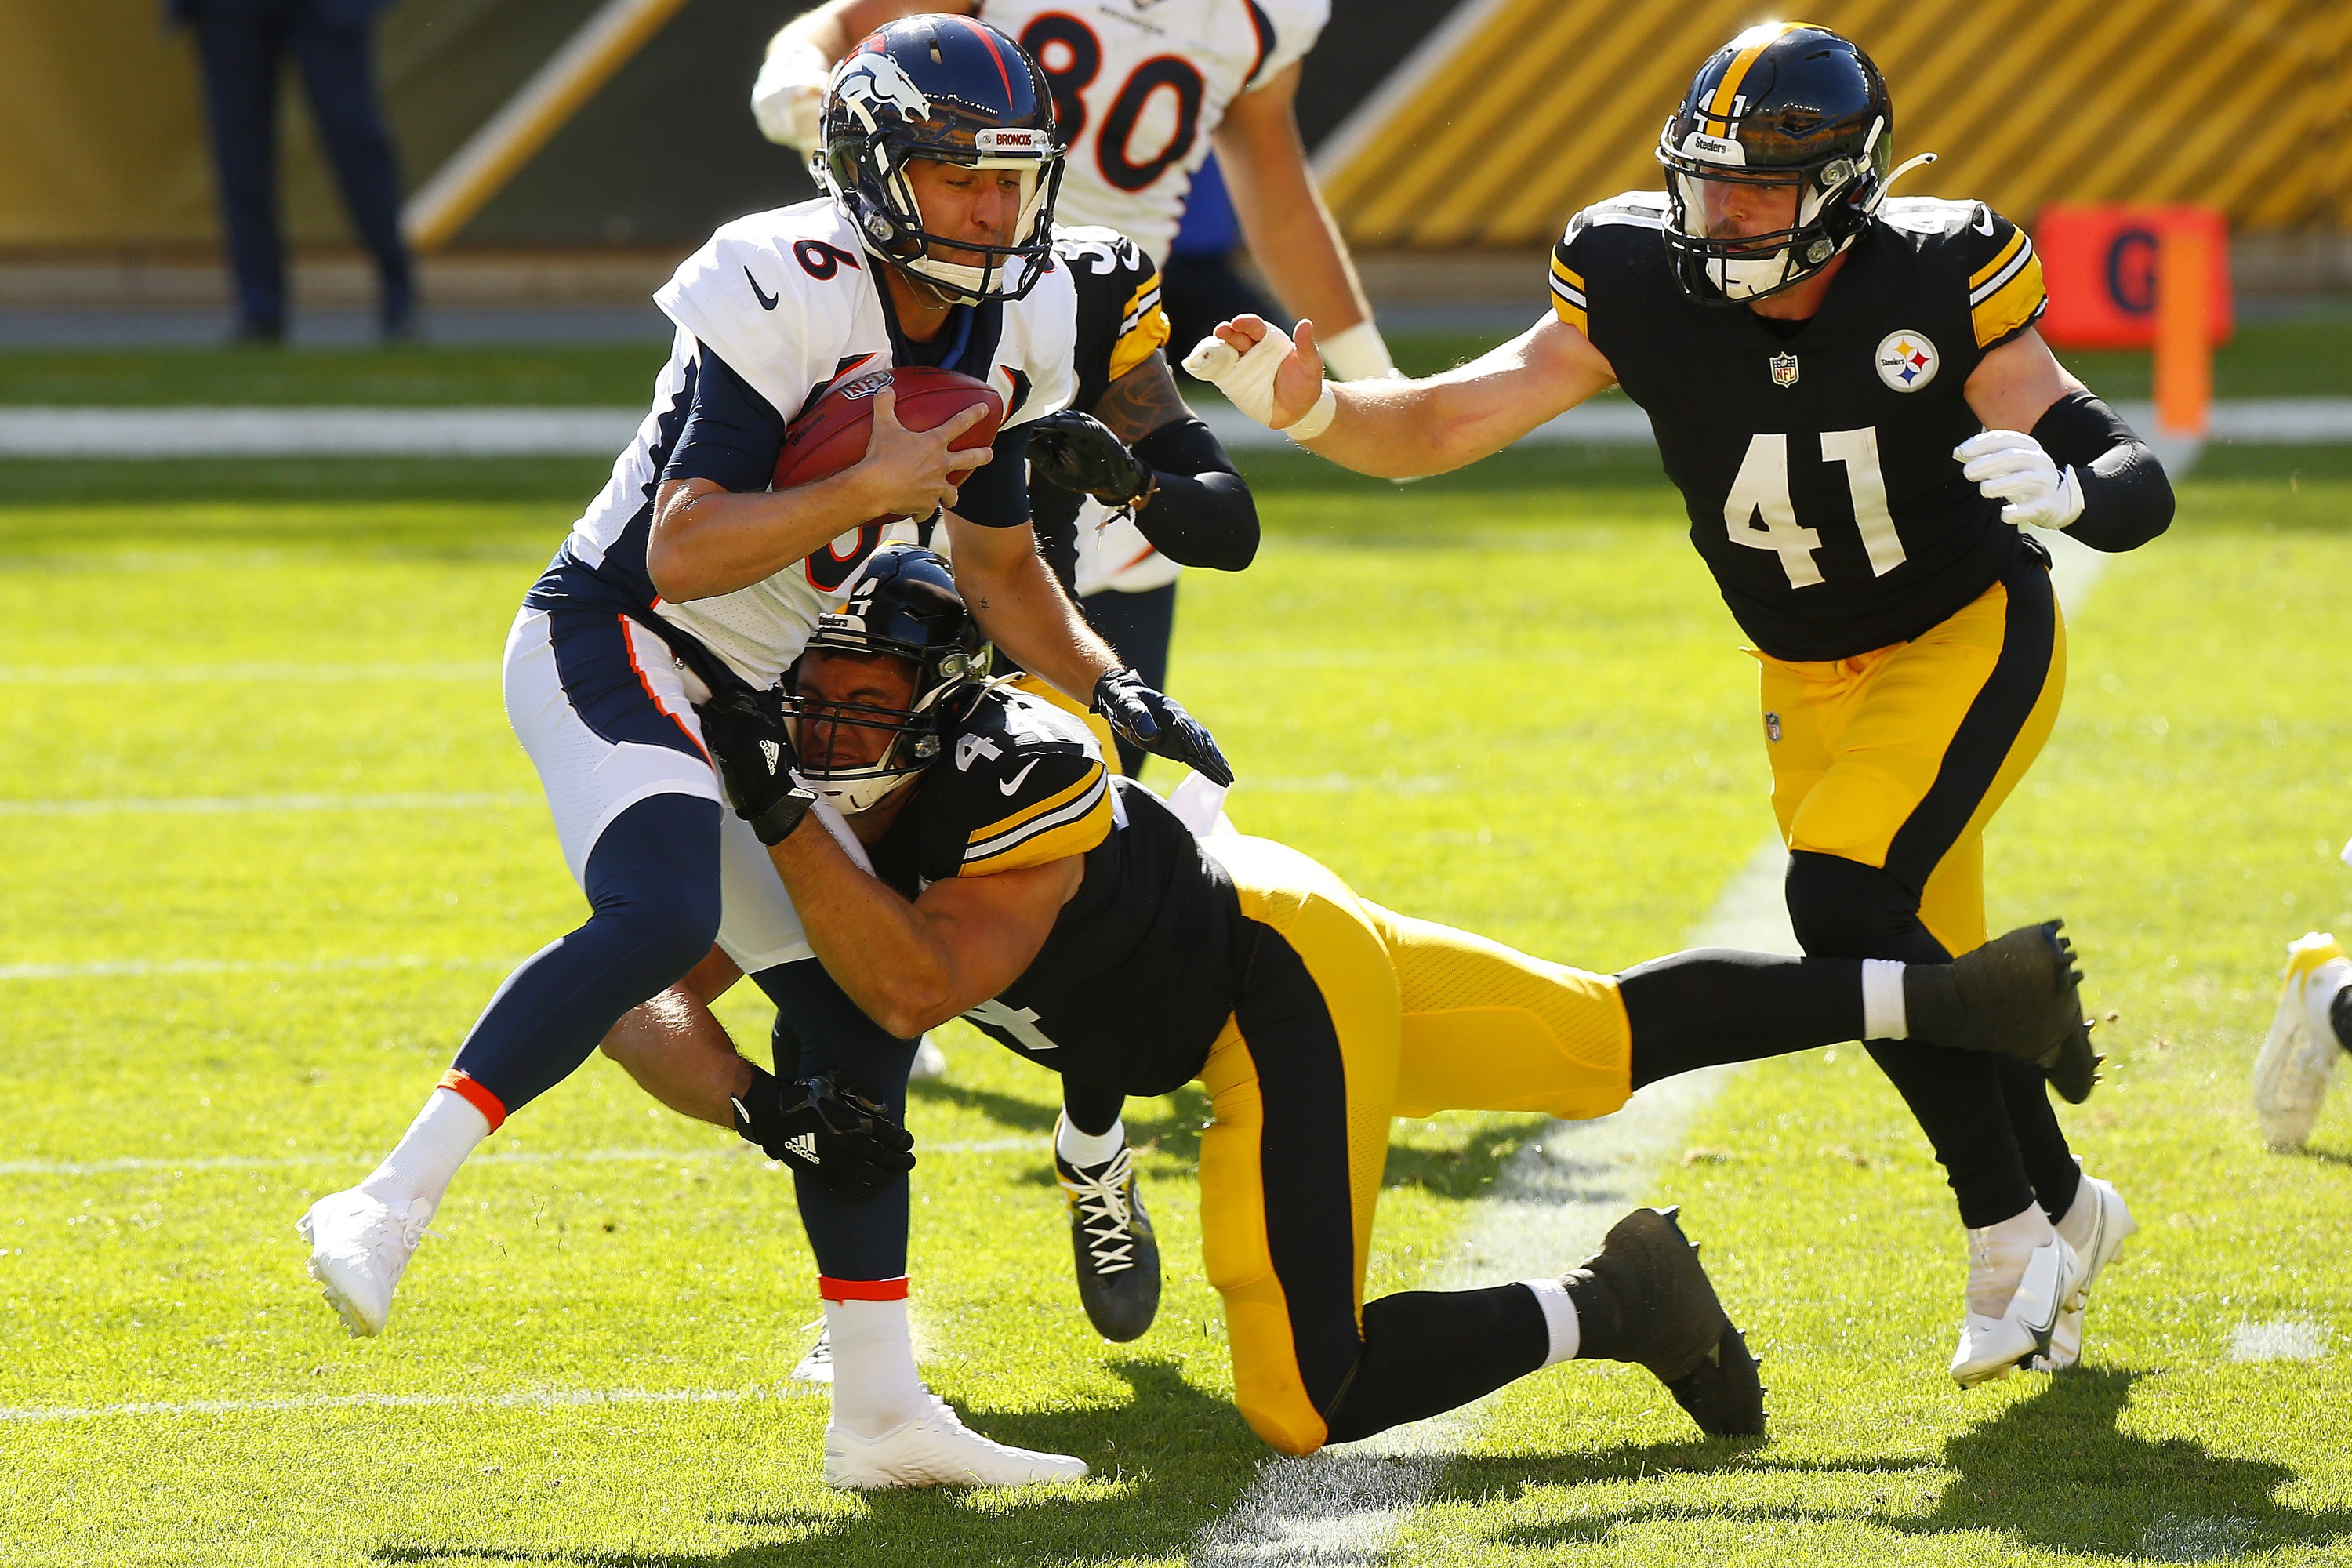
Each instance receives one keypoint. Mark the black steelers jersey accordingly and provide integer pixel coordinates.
(1140, 970)
(1817, 467)
(1120, 325)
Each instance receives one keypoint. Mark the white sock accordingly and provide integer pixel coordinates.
(1559, 1320)
(1085, 1148)
(874, 1384)
(1998, 1256)
(1882, 1015)
(2319, 995)
(2081, 1215)
(429, 1152)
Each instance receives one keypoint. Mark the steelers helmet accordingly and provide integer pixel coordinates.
(958, 91)
(904, 605)
(1783, 104)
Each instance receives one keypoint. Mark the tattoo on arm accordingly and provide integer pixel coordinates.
(1141, 401)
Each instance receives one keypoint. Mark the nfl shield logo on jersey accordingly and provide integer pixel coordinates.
(1784, 370)
(1906, 361)
(1772, 727)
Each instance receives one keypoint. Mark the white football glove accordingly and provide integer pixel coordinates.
(1247, 380)
(2009, 465)
(788, 99)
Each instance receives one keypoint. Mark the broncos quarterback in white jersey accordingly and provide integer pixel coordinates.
(690, 580)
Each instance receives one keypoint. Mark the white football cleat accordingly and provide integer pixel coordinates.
(937, 1449)
(930, 1063)
(2031, 1280)
(2291, 1072)
(2110, 1226)
(359, 1245)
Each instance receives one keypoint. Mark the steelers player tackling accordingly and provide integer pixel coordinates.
(1849, 392)
(998, 872)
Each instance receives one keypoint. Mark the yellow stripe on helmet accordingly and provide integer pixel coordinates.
(1751, 45)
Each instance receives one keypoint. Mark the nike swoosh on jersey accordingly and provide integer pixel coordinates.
(767, 300)
(1008, 785)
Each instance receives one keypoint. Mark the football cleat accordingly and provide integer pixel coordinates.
(1671, 1322)
(2018, 1287)
(2111, 1225)
(1110, 1239)
(2292, 1069)
(359, 1246)
(2018, 995)
(817, 1365)
(930, 1063)
(937, 1449)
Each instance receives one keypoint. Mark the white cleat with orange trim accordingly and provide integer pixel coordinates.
(359, 1245)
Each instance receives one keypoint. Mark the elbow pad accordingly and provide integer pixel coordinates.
(2126, 498)
(1202, 513)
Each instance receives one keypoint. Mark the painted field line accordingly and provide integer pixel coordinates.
(140, 968)
(1346, 1507)
(235, 674)
(130, 1165)
(548, 1399)
(270, 805)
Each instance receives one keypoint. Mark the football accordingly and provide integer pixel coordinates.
(833, 434)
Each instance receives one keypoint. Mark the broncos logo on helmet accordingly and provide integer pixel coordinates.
(865, 84)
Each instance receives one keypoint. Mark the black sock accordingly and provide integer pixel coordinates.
(1093, 1112)
(1716, 1004)
(1426, 1351)
(2339, 1013)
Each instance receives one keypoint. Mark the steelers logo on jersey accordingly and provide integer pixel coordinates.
(1906, 361)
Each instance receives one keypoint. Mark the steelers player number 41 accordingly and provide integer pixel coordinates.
(1759, 514)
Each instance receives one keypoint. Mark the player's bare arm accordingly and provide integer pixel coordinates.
(1143, 400)
(1291, 233)
(913, 966)
(708, 541)
(1404, 429)
(1017, 603)
(679, 1053)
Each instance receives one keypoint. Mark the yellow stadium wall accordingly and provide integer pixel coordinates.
(1553, 104)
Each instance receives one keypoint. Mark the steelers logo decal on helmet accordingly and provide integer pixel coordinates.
(1906, 360)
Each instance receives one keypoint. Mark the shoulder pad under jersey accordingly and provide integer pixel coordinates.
(1018, 782)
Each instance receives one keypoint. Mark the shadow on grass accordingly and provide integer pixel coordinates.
(2055, 1472)
(1182, 1457)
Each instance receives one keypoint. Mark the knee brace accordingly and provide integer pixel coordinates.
(1844, 909)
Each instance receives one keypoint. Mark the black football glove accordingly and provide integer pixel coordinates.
(745, 732)
(1078, 452)
(1159, 724)
(842, 1138)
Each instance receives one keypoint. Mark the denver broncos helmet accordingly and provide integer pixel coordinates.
(958, 91)
(904, 605)
(1784, 104)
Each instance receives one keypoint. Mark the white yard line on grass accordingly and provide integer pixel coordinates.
(141, 968)
(213, 806)
(548, 1399)
(129, 1164)
(235, 674)
(519, 431)
(1549, 1207)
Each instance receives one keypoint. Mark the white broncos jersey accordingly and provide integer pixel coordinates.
(789, 300)
(1140, 85)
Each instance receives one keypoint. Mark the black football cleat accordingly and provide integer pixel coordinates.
(1111, 1241)
(1663, 1315)
(2018, 995)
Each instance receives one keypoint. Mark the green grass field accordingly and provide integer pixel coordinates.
(272, 846)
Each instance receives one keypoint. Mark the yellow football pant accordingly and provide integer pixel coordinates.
(1898, 757)
(1350, 1015)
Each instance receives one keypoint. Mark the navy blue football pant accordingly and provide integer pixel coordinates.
(653, 882)
(242, 43)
